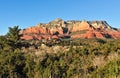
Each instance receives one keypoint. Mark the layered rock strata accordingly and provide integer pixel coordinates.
(70, 29)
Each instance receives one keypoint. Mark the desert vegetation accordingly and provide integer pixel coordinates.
(71, 58)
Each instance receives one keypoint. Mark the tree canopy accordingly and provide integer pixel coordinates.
(13, 33)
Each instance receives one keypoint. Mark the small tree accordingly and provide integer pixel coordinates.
(13, 34)
(4, 43)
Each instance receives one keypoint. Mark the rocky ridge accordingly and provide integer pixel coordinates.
(59, 28)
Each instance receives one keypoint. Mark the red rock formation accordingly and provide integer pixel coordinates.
(99, 35)
(27, 37)
(90, 34)
(80, 26)
(35, 30)
(115, 34)
(40, 33)
(84, 30)
(38, 37)
(54, 37)
(78, 36)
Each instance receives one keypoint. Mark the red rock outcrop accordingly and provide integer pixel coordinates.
(80, 26)
(41, 33)
(62, 29)
(35, 30)
(27, 37)
(98, 34)
(115, 34)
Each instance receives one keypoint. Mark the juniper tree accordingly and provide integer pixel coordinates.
(13, 34)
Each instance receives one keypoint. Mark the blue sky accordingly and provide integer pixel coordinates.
(26, 13)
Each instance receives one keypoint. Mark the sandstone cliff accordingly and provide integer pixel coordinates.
(59, 28)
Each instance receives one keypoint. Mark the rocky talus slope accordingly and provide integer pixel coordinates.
(59, 28)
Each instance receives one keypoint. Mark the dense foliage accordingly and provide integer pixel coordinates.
(13, 33)
(86, 58)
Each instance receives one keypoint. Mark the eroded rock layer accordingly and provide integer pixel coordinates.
(70, 29)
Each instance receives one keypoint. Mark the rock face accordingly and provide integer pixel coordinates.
(70, 29)
(80, 26)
